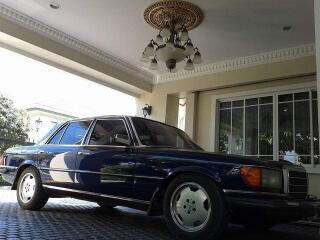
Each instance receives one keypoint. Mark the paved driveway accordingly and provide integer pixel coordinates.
(73, 219)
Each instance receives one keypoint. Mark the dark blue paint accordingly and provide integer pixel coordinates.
(134, 172)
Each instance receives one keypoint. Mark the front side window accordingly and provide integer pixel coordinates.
(157, 134)
(75, 133)
(110, 132)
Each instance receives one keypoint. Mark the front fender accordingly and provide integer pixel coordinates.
(155, 207)
(208, 172)
(25, 164)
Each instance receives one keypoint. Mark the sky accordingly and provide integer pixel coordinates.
(29, 82)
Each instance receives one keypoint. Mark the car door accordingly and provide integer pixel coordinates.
(57, 158)
(105, 164)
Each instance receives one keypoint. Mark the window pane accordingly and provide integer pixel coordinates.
(301, 96)
(314, 94)
(285, 98)
(315, 130)
(152, 133)
(251, 101)
(251, 130)
(56, 138)
(105, 132)
(302, 127)
(224, 130)
(224, 105)
(285, 127)
(238, 103)
(264, 100)
(305, 159)
(266, 130)
(75, 132)
(237, 131)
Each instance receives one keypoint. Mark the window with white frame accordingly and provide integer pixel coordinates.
(269, 126)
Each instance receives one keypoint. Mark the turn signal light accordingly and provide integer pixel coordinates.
(252, 176)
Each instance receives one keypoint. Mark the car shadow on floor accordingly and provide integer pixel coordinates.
(74, 219)
(137, 224)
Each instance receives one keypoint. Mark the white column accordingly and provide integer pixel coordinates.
(317, 44)
(191, 114)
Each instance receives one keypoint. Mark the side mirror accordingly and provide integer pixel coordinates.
(122, 139)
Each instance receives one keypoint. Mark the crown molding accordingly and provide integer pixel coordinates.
(279, 55)
(69, 41)
(206, 69)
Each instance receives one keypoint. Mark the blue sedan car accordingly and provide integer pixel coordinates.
(148, 165)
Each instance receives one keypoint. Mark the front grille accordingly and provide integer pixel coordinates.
(298, 184)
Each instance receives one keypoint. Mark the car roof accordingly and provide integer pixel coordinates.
(119, 116)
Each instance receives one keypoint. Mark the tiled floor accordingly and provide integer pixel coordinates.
(74, 219)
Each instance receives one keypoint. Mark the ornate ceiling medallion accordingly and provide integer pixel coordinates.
(173, 19)
(181, 12)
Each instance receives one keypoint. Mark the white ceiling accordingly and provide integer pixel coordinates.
(231, 28)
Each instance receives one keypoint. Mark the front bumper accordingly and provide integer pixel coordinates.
(8, 173)
(278, 207)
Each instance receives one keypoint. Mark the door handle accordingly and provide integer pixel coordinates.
(83, 153)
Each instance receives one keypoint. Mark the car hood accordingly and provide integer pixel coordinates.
(220, 157)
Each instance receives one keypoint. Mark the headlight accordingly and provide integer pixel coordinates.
(257, 177)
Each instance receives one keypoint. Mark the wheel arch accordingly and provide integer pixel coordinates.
(22, 167)
(156, 204)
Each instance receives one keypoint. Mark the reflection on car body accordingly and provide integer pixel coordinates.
(148, 165)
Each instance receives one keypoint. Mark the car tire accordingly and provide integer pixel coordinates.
(195, 208)
(30, 193)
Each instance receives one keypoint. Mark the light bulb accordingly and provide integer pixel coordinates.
(189, 65)
(159, 39)
(197, 59)
(153, 64)
(189, 48)
(184, 36)
(144, 58)
(149, 51)
(165, 32)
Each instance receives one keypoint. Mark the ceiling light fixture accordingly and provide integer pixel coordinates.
(173, 19)
(54, 5)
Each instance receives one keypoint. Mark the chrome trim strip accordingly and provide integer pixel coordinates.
(130, 127)
(106, 174)
(135, 132)
(286, 177)
(8, 167)
(227, 191)
(96, 194)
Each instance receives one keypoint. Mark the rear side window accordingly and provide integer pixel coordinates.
(109, 132)
(56, 138)
(75, 132)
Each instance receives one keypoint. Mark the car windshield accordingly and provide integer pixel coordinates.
(44, 138)
(155, 134)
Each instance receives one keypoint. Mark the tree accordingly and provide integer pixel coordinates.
(14, 124)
